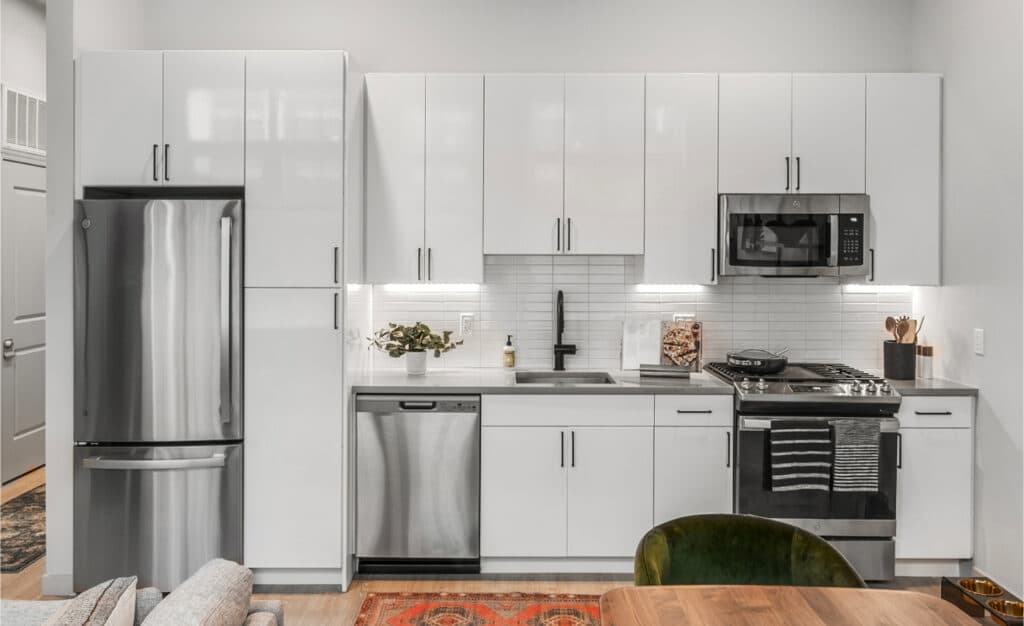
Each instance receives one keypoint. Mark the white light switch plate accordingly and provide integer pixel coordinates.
(979, 341)
(466, 324)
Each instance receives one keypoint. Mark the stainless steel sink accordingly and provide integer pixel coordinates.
(564, 378)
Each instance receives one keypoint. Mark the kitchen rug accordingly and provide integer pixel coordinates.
(22, 530)
(479, 609)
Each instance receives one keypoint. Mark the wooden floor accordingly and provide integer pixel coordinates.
(340, 609)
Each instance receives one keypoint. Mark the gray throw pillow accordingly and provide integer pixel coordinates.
(217, 595)
(110, 603)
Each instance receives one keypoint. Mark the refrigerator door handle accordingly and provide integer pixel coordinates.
(103, 463)
(225, 320)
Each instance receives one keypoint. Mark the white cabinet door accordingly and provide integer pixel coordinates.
(522, 491)
(204, 118)
(935, 495)
(294, 168)
(680, 179)
(754, 121)
(904, 171)
(120, 118)
(395, 123)
(604, 163)
(454, 178)
(293, 428)
(828, 133)
(610, 499)
(523, 163)
(692, 471)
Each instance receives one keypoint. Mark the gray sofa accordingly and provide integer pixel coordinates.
(200, 589)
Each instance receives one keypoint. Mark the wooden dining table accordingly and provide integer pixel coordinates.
(765, 605)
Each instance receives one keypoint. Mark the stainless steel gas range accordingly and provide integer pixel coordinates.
(827, 398)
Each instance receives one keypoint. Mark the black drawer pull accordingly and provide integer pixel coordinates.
(701, 411)
(933, 412)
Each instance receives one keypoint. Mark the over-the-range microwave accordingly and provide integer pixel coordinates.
(794, 235)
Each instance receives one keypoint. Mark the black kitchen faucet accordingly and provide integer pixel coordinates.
(561, 349)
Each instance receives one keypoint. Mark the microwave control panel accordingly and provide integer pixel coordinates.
(851, 239)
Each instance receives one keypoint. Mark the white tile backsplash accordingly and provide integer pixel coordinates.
(816, 318)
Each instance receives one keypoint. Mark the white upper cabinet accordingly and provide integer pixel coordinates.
(395, 145)
(828, 133)
(454, 212)
(754, 133)
(904, 171)
(523, 163)
(121, 118)
(204, 118)
(680, 179)
(424, 178)
(294, 168)
(604, 164)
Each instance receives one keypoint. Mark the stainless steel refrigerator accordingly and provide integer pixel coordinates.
(158, 412)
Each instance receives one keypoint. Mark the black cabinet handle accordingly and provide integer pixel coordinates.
(430, 258)
(899, 450)
(336, 311)
(558, 234)
(933, 412)
(728, 449)
(712, 265)
(167, 172)
(562, 447)
(573, 443)
(798, 173)
(336, 269)
(787, 173)
(419, 263)
(155, 148)
(568, 234)
(695, 411)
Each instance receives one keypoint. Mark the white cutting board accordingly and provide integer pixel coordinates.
(641, 342)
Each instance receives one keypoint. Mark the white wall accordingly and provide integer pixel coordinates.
(23, 43)
(978, 47)
(552, 35)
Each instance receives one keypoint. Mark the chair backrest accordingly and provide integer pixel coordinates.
(739, 550)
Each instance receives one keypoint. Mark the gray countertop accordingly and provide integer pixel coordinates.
(500, 381)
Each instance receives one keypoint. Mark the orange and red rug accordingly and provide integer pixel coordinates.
(479, 609)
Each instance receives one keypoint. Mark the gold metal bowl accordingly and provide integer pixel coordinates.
(981, 586)
(1007, 608)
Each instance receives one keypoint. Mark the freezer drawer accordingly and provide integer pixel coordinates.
(156, 512)
(418, 477)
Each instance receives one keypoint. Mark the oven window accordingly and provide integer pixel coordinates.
(779, 240)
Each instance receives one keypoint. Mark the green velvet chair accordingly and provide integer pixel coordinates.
(739, 550)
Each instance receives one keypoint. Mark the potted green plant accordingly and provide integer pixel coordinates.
(413, 342)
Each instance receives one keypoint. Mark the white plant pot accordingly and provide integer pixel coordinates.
(416, 363)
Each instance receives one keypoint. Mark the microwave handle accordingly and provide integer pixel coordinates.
(833, 229)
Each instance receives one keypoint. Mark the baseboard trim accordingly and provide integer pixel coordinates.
(933, 568)
(555, 566)
(322, 579)
(57, 585)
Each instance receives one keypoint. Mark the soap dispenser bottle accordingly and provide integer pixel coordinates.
(508, 357)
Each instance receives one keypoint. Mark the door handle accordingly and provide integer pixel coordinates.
(787, 173)
(562, 447)
(336, 267)
(728, 449)
(225, 319)
(915, 412)
(568, 234)
(413, 405)
(167, 169)
(155, 148)
(9, 352)
(695, 411)
(558, 234)
(335, 311)
(572, 445)
(899, 450)
(430, 262)
(419, 263)
(798, 173)
(103, 463)
(712, 265)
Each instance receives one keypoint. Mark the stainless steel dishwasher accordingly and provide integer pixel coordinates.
(418, 483)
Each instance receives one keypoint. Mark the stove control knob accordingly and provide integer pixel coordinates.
(855, 386)
(745, 384)
(885, 387)
(872, 387)
(761, 385)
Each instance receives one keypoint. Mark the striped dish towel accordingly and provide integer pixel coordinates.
(856, 463)
(801, 455)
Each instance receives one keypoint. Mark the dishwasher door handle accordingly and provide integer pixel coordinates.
(414, 405)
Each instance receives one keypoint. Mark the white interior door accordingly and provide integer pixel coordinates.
(522, 491)
(204, 118)
(754, 122)
(120, 117)
(523, 163)
(395, 144)
(681, 192)
(610, 496)
(692, 471)
(293, 428)
(22, 317)
(828, 133)
(294, 168)
(454, 212)
(604, 163)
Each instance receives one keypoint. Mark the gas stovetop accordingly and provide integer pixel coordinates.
(811, 387)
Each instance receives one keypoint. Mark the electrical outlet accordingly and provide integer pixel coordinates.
(979, 341)
(683, 317)
(466, 323)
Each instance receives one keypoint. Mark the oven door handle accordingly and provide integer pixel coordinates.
(886, 424)
(833, 236)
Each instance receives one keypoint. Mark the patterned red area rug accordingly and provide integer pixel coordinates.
(478, 609)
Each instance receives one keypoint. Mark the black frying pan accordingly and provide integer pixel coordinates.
(758, 362)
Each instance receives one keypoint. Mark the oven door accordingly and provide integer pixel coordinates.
(767, 235)
(826, 513)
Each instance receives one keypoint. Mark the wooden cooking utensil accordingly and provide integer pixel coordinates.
(902, 328)
(911, 335)
(890, 325)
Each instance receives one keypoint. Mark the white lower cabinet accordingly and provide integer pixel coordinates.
(935, 484)
(692, 471)
(293, 428)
